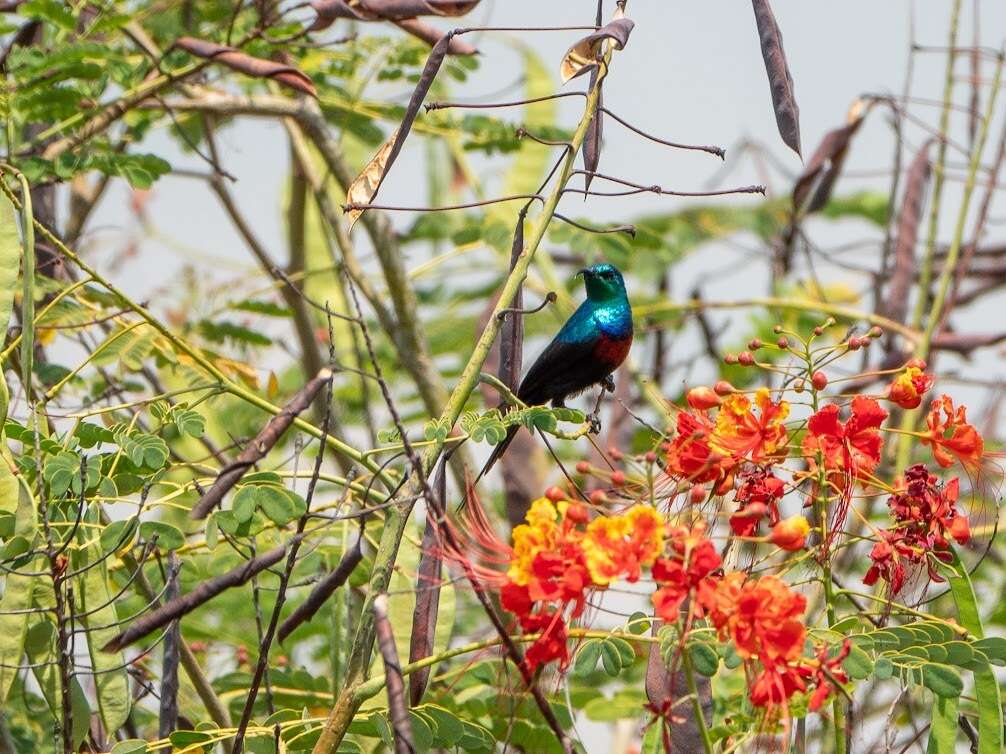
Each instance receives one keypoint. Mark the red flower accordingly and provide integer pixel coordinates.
(689, 455)
(689, 567)
(828, 672)
(757, 496)
(951, 435)
(742, 434)
(851, 448)
(776, 684)
(909, 387)
(551, 645)
(926, 519)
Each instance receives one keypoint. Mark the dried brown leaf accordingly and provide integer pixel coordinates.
(250, 66)
(916, 183)
(814, 186)
(364, 188)
(428, 580)
(787, 114)
(583, 55)
(592, 139)
(328, 11)
(430, 70)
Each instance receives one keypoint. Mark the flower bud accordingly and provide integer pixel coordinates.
(918, 363)
(697, 494)
(798, 386)
(854, 343)
(615, 453)
(722, 387)
(597, 497)
(745, 358)
(790, 533)
(819, 380)
(702, 398)
(783, 342)
(777, 329)
(875, 332)
(583, 467)
(577, 513)
(729, 359)
(754, 344)
(819, 330)
(555, 494)
(617, 478)
(650, 457)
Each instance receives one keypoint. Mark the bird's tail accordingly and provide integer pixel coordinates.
(497, 453)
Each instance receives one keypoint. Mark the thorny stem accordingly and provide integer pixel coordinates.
(397, 518)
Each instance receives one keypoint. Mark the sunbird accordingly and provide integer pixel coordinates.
(591, 345)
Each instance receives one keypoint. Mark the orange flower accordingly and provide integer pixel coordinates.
(791, 533)
(909, 387)
(851, 448)
(760, 616)
(951, 435)
(616, 546)
(741, 434)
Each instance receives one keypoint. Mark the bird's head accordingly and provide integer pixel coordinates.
(603, 282)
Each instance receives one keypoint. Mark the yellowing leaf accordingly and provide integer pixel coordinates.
(362, 190)
(583, 55)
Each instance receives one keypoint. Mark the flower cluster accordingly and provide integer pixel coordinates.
(558, 557)
(762, 617)
(686, 569)
(926, 519)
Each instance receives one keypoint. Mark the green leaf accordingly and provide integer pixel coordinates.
(62, 472)
(130, 746)
(883, 669)
(993, 647)
(118, 534)
(858, 664)
(98, 608)
(990, 713)
(943, 727)
(587, 657)
(13, 628)
(611, 659)
(189, 422)
(168, 537)
(704, 659)
(942, 680)
(10, 262)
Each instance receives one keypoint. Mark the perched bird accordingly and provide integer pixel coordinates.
(590, 346)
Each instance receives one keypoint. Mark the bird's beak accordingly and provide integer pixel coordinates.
(582, 273)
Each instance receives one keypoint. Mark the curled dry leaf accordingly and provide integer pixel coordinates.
(787, 114)
(583, 55)
(385, 10)
(364, 188)
(814, 186)
(431, 34)
(373, 175)
(250, 66)
(916, 183)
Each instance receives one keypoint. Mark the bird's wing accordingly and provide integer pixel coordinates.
(560, 362)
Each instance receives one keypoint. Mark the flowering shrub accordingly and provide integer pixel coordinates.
(704, 521)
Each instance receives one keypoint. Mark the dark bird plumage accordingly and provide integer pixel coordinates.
(591, 345)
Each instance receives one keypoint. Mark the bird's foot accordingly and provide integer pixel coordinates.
(595, 423)
(608, 383)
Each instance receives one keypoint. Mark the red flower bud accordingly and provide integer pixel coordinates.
(583, 467)
(597, 497)
(819, 380)
(729, 359)
(783, 342)
(745, 358)
(577, 513)
(697, 494)
(754, 344)
(875, 332)
(790, 533)
(854, 343)
(819, 330)
(617, 478)
(650, 457)
(723, 388)
(702, 398)
(555, 494)
(918, 363)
